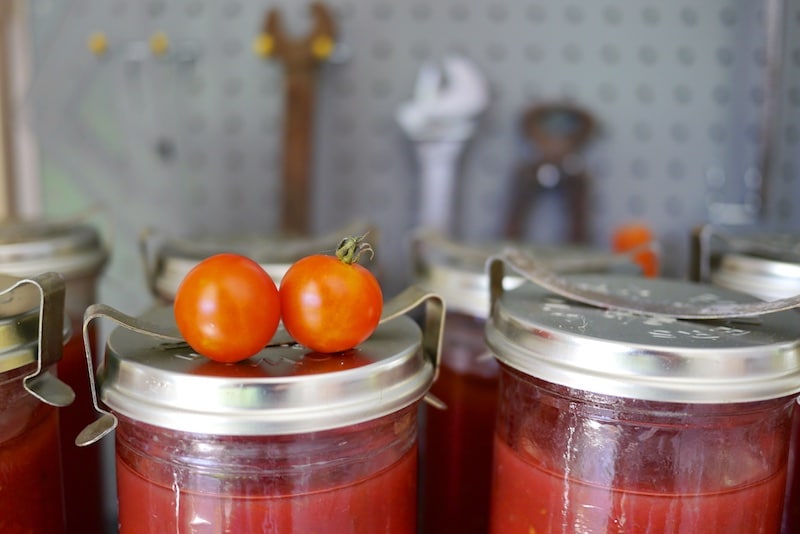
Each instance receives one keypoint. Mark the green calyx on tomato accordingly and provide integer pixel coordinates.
(350, 249)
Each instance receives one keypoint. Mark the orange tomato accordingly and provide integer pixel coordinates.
(227, 308)
(631, 236)
(330, 304)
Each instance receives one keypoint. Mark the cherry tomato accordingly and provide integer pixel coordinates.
(630, 236)
(331, 304)
(227, 308)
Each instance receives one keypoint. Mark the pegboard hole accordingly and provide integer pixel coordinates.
(645, 94)
(636, 205)
(686, 56)
(573, 14)
(195, 9)
(232, 9)
(383, 11)
(382, 50)
(640, 169)
(534, 53)
(673, 206)
(495, 52)
(612, 15)
(642, 131)
(679, 132)
(572, 53)
(728, 17)
(610, 54)
(234, 163)
(536, 13)
(725, 57)
(722, 95)
(689, 16)
(683, 94)
(459, 13)
(648, 55)
(497, 13)
(718, 133)
(421, 12)
(676, 169)
(651, 16)
(607, 93)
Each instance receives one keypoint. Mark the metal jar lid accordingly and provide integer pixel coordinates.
(766, 278)
(642, 356)
(167, 385)
(173, 257)
(35, 246)
(458, 271)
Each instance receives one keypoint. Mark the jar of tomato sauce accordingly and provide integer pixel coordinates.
(768, 267)
(76, 251)
(31, 493)
(613, 421)
(457, 439)
(286, 441)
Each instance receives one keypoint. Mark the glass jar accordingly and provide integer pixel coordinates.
(767, 267)
(287, 441)
(76, 251)
(457, 441)
(31, 494)
(763, 277)
(612, 421)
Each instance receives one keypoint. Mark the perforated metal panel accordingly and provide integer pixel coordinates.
(191, 141)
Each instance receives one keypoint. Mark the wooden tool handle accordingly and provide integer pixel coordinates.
(301, 58)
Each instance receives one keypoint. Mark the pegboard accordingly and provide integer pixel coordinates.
(190, 142)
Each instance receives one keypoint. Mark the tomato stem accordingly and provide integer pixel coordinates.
(351, 248)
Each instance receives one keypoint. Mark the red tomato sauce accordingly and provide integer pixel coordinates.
(82, 466)
(316, 488)
(791, 514)
(567, 460)
(31, 498)
(457, 456)
(529, 499)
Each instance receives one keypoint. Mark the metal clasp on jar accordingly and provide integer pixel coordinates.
(42, 384)
(533, 270)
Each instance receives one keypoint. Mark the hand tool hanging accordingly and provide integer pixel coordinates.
(558, 132)
(301, 59)
(440, 120)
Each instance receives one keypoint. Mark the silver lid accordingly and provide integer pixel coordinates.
(458, 271)
(278, 391)
(765, 278)
(649, 357)
(36, 246)
(179, 256)
(174, 257)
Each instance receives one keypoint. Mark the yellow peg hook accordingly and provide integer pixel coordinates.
(159, 44)
(322, 47)
(97, 43)
(264, 45)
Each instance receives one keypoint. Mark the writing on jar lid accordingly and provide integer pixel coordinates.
(575, 315)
